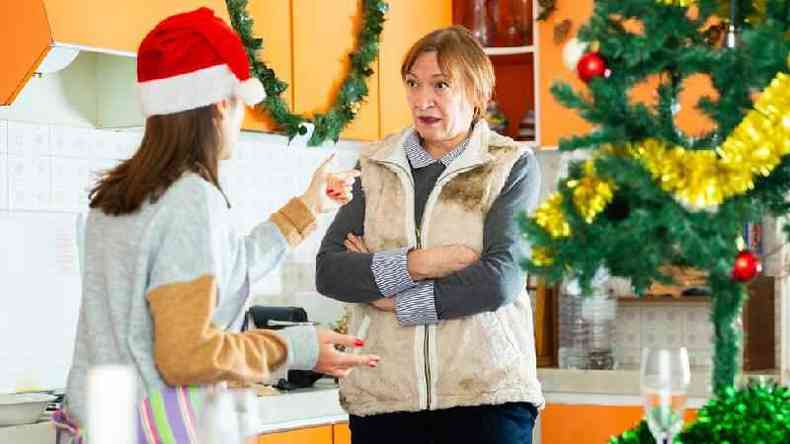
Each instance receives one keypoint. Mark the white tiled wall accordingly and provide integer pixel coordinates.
(50, 168)
(3, 164)
(46, 172)
(664, 325)
(261, 177)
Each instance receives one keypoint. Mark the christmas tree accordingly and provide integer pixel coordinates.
(651, 195)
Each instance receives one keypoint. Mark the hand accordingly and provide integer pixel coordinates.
(339, 364)
(385, 304)
(355, 243)
(438, 262)
(328, 190)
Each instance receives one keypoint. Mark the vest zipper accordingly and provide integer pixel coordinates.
(427, 367)
(426, 345)
(418, 238)
(426, 348)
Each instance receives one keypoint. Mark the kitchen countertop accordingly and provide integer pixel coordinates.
(618, 387)
(319, 404)
(278, 412)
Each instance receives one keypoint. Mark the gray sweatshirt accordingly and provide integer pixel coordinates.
(163, 249)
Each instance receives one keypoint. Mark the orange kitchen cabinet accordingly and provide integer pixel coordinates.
(29, 29)
(25, 39)
(407, 21)
(556, 121)
(324, 34)
(117, 25)
(589, 424)
(342, 434)
(312, 435)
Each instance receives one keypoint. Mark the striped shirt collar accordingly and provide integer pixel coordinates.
(419, 157)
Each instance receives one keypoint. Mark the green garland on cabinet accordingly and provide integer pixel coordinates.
(352, 91)
(546, 8)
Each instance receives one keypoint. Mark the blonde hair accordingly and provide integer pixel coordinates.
(461, 59)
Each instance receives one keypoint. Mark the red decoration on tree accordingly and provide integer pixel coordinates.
(592, 65)
(746, 267)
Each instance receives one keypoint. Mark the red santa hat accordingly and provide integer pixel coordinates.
(192, 60)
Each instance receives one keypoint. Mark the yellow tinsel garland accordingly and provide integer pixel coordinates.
(683, 3)
(549, 216)
(542, 256)
(591, 194)
(700, 179)
(705, 179)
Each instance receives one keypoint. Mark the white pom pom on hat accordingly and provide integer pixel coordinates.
(251, 91)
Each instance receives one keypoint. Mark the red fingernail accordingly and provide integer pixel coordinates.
(359, 343)
(373, 364)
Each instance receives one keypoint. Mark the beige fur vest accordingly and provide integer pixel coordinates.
(487, 358)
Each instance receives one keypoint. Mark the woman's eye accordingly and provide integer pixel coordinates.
(442, 85)
(411, 83)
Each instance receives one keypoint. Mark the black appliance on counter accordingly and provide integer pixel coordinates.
(275, 318)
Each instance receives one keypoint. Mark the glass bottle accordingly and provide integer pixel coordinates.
(517, 23)
(572, 328)
(496, 119)
(599, 310)
(480, 20)
(587, 326)
(526, 127)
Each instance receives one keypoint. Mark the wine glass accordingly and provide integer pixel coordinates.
(665, 379)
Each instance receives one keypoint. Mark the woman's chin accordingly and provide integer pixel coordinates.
(428, 132)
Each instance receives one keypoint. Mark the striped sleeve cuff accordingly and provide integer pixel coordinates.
(416, 305)
(391, 272)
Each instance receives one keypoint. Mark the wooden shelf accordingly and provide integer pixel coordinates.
(515, 92)
(509, 50)
(514, 66)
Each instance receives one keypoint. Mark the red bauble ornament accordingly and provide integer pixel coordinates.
(592, 65)
(746, 267)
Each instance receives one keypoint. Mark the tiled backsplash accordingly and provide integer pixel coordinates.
(46, 172)
(50, 168)
(663, 325)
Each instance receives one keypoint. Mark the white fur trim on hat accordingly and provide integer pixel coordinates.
(251, 91)
(188, 91)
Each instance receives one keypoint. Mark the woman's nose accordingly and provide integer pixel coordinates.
(425, 98)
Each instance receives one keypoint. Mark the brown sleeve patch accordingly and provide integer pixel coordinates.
(190, 349)
(295, 221)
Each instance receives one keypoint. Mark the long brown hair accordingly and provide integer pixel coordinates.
(172, 145)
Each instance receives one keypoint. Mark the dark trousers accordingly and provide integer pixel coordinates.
(489, 424)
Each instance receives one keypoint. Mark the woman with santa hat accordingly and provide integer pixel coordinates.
(166, 278)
